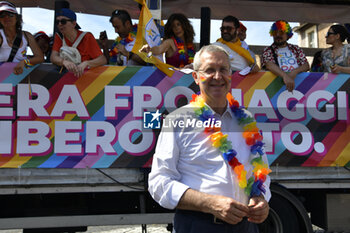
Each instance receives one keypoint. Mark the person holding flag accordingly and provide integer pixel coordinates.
(148, 33)
(178, 43)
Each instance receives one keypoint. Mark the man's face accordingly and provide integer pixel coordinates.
(214, 78)
(122, 29)
(228, 31)
(280, 38)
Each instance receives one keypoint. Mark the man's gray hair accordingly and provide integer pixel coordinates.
(209, 49)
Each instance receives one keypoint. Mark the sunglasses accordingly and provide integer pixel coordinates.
(226, 28)
(330, 33)
(6, 13)
(62, 21)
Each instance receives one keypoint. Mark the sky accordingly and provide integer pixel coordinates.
(38, 19)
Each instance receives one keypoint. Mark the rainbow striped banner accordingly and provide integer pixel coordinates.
(60, 121)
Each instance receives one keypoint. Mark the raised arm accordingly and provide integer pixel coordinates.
(104, 44)
(164, 47)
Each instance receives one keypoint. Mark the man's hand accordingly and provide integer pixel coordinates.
(228, 209)
(293, 74)
(258, 209)
(289, 81)
(122, 50)
(222, 207)
(255, 69)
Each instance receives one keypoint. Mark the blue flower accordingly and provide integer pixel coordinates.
(229, 155)
(206, 115)
(257, 189)
(257, 148)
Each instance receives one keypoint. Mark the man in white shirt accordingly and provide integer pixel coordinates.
(192, 174)
(240, 56)
(283, 59)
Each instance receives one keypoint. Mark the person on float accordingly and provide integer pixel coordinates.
(178, 42)
(14, 41)
(120, 52)
(283, 59)
(336, 59)
(87, 47)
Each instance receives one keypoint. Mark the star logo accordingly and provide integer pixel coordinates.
(151, 120)
(155, 115)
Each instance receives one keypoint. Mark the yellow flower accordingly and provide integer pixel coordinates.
(242, 179)
(258, 166)
(218, 138)
(200, 103)
(250, 127)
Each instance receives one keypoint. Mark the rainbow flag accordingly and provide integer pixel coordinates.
(98, 120)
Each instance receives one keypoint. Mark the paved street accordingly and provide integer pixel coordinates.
(114, 229)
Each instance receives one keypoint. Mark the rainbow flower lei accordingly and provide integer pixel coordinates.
(253, 186)
(181, 48)
(113, 52)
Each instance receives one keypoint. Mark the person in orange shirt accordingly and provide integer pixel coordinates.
(87, 53)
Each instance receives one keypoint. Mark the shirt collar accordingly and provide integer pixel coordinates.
(275, 46)
(227, 111)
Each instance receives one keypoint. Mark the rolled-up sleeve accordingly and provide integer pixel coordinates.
(163, 182)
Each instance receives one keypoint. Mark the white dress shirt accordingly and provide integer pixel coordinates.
(185, 158)
(238, 62)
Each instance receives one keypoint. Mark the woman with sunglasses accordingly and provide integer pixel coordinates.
(178, 42)
(86, 46)
(336, 59)
(14, 41)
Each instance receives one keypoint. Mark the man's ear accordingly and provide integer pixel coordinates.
(195, 77)
(127, 24)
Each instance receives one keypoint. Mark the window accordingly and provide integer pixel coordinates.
(311, 37)
(311, 40)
